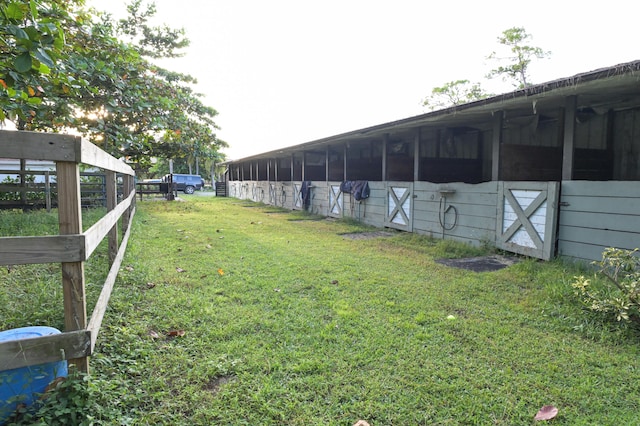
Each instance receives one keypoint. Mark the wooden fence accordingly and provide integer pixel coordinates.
(23, 194)
(71, 247)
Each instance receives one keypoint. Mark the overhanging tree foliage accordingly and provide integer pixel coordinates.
(67, 68)
(32, 52)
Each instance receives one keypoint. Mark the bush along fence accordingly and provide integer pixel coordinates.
(71, 247)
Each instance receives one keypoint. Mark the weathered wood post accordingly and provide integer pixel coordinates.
(70, 222)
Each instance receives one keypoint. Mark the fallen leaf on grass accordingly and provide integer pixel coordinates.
(180, 270)
(220, 271)
(176, 333)
(208, 246)
(547, 412)
(154, 335)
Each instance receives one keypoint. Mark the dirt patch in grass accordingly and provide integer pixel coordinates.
(480, 264)
(217, 383)
(367, 235)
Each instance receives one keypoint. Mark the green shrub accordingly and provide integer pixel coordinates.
(619, 293)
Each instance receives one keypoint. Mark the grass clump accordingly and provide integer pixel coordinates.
(224, 314)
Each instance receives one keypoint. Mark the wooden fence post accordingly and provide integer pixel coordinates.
(112, 202)
(70, 222)
(128, 186)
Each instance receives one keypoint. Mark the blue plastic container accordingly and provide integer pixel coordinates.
(23, 385)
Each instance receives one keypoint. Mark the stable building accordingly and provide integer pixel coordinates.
(549, 170)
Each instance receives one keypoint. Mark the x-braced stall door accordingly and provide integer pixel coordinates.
(527, 217)
(399, 212)
(298, 203)
(336, 200)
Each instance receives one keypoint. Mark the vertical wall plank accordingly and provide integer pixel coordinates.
(497, 141)
(416, 156)
(345, 165)
(128, 186)
(569, 138)
(385, 142)
(326, 164)
(70, 222)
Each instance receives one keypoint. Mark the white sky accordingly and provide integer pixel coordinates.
(285, 72)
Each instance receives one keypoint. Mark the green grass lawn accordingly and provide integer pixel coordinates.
(233, 313)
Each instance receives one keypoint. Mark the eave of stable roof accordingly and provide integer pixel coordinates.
(606, 86)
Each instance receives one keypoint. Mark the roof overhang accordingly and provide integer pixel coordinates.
(616, 88)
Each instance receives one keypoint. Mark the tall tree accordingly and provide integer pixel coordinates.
(63, 67)
(32, 51)
(518, 59)
(454, 93)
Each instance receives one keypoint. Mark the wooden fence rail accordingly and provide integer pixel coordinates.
(72, 247)
(36, 189)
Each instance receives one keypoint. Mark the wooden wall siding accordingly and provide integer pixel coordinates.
(363, 169)
(453, 155)
(591, 130)
(319, 198)
(530, 163)
(262, 170)
(450, 170)
(335, 168)
(364, 161)
(399, 168)
(233, 189)
(315, 172)
(597, 215)
(474, 213)
(592, 164)
(373, 209)
(284, 169)
(271, 194)
(297, 166)
(287, 196)
(260, 192)
(533, 130)
(626, 141)
(399, 205)
(527, 217)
